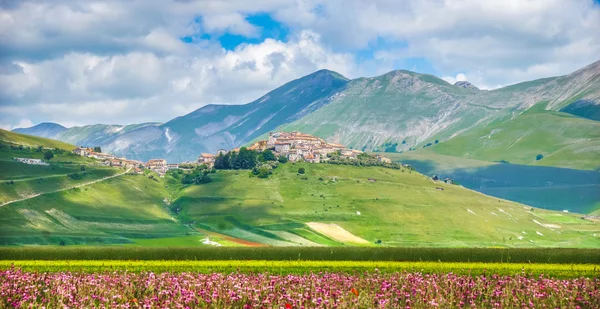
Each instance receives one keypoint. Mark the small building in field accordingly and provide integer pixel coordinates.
(449, 180)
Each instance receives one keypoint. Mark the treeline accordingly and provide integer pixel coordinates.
(245, 159)
(197, 175)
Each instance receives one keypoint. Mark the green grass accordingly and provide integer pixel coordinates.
(300, 267)
(32, 141)
(564, 141)
(112, 211)
(400, 209)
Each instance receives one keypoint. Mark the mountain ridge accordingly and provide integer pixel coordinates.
(402, 108)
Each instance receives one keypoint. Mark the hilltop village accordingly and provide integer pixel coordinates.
(295, 146)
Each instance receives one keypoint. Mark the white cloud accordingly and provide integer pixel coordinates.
(79, 62)
(142, 86)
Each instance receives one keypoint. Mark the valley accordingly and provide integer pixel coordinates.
(326, 205)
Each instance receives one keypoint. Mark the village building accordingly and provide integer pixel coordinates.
(311, 158)
(383, 159)
(82, 151)
(221, 152)
(172, 166)
(282, 147)
(157, 165)
(31, 161)
(206, 158)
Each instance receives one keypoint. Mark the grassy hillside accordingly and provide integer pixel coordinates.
(329, 205)
(113, 211)
(562, 139)
(32, 141)
(399, 208)
(19, 180)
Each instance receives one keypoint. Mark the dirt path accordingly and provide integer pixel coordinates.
(68, 188)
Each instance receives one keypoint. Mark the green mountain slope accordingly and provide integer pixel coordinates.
(400, 208)
(19, 180)
(9, 137)
(563, 140)
(113, 211)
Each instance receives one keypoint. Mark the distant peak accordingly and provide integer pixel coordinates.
(329, 73)
(465, 84)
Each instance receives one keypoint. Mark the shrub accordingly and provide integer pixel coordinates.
(48, 155)
(282, 159)
(301, 170)
(539, 157)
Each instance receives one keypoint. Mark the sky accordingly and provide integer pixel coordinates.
(123, 62)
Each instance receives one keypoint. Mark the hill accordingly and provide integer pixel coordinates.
(8, 137)
(333, 204)
(44, 129)
(19, 180)
(561, 140)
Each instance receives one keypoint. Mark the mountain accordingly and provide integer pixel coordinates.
(44, 129)
(466, 85)
(228, 126)
(397, 111)
(403, 111)
(98, 134)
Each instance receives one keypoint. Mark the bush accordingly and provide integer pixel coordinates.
(301, 170)
(77, 176)
(82, 168)
(539, 157)
(282, 159)
(48, 155)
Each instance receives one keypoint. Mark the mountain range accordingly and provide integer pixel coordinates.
(399, 111)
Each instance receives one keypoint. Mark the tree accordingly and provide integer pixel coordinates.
(97, 149)
(222, 161)
(48, 155)
(244, 160)
(268, 155)
(282, 159)
(539, 157)
(301, 170)
(82, 168)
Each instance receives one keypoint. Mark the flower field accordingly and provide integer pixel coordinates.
(118, 289)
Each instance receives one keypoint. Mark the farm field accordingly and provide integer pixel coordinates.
(539, 186)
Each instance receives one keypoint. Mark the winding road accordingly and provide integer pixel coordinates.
(67, 188)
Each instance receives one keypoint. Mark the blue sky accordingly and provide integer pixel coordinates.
(109, 61)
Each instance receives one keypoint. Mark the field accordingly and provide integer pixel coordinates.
(539, 186)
